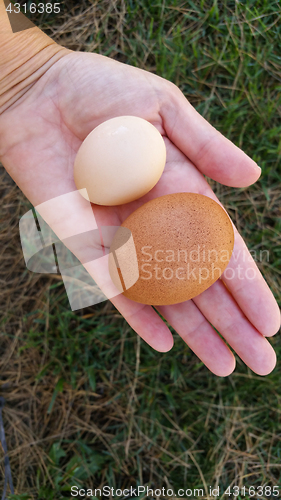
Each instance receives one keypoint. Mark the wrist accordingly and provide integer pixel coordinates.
(19, 80)
(25, 57)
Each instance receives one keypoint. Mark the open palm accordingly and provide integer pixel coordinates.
(39, 137)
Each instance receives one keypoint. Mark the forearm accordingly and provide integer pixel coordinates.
(24, 57)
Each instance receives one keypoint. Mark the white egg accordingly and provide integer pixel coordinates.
(120, 160)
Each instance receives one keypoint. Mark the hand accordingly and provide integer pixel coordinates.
(39, 137)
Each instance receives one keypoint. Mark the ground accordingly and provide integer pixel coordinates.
(87, 402)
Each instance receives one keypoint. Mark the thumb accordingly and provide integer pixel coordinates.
(212, 153)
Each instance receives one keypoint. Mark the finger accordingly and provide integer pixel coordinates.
(250, 290)
(212, 153)
(218, 305)
(199, 335)
(248, 287)
(145, 322)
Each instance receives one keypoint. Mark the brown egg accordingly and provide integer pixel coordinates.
(182, 244)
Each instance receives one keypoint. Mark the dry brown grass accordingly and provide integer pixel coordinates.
(243, 452)
(31, 431)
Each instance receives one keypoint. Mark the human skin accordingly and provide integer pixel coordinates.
(49, 102)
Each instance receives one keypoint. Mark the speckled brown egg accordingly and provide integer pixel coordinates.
(182, 244)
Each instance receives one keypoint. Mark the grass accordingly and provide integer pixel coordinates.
(88, 402)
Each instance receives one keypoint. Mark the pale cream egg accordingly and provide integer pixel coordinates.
(120, 160)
